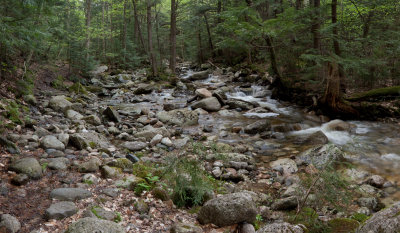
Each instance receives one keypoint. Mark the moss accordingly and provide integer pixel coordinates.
(344, 225)
(92, 144)
(387, 91)
(122, 163)
(360, 217)
(78, 88)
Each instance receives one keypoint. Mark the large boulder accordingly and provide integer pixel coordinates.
(241, 104)
(321, 155)
(228, 209)
(60, 103)
(199, 75)
(51, 142)
(90, 225)
(258, 127)
(144, 89)
(385, 221)
(285, 166)
(338, 125)
(203, 93)
(210, 104)
(29, 166)
(86, 139)
(179, 117)
(283, 227)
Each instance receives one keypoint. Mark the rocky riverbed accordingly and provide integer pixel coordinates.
(90, 160)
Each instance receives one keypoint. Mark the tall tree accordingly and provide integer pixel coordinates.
(88, 5)
(152, 57)
(172, 60)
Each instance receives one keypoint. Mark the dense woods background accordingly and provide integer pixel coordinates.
(294, 40)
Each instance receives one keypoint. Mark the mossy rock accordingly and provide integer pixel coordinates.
(94, 89)
(160, 193)
(123, 163)
(376, 93)
(78, 88)
(343, 225)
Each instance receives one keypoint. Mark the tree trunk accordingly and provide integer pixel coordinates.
(299, 4)
(103, 28)
(316, 26)
(157, 13)
(87, 16)
(150, 40)
(172, 60)
(137, 25)
(336, 45)
(124, 29)
(210, 43)
(200, 46)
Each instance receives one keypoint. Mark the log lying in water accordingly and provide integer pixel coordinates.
(376, 93)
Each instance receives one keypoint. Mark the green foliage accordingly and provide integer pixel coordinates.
(25, 86)
(188, 181)
(309, 218)
(118, 217)
(257, 223)
(58, 82)
(343, 225)
(361, 218)
(15, 112)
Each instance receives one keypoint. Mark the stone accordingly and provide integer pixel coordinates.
(134, 146)
(203, 93)
(317, 138)
(9, 224)
(283, 227)
(376, 181)
(369, 202)
(90, 225)
(92, 119)
(167, 142)
(160, 193)
(92, 165)
(30, 99)
(179, 117)
(61, 210)
(144, 89)
(385, 221)
(29, 166)
(247, 228)
(258, 127)
(90, 179)
(337, 125)
(58, 163)
(185, 228)
(210, 104)
(60, 103)
(64, 138)
(111, 114)
(70, 194)
(73, 115)
(99, 70)
(20, 179)
(148, 132)
(156, 139)
(110, 172)
(98, 212)
(89, 139)
(142, 207)
(287, 203)
(321, 155)
(285, 166)
(228, 209)
(132, 158)
(51, 142)
(240, 104)
(199, 75)
(9, 145)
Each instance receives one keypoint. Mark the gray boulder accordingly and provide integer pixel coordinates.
(228, 210)
(179, 117)
(243, 105)
(9, 224)
(91, 225)
(92, 139)
(92, 119)
(283, 227)
(73, 115)
(9, 145)
(92, 165)
(199, 75)
(210, 104)
(60, 163)
(134, 146)
(321, 155)
(61, 210)
(148, 132)
(258, 127)
(51, 142)
(60, 103)
(70, 194)
(384, 221)
(29, 166)
(111, 114)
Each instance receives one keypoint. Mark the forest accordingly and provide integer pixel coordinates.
(190, 116)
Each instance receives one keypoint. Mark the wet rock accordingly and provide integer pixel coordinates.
(29, 166)
(51, 142)
(285, 166)
(98, 212)
(321, 155)
(58, 163)
(240, 104)
(134, 146)
(73, 115)
(92, 165)
(385, 221)
(210, 104)
(60, 103)
(111, 114)
(283, 227)
(228, 209)
(258, 127)
(144, 89)
(86, 225)
(70, 194)
(203, 93)
(338, 125)
(199, 75)
(185, 228)
(9, 224)
(61, 210)
(317, 138)
(179, 117)
(288, 203)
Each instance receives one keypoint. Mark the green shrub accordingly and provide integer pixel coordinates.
(25, 86)
(309, 218)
